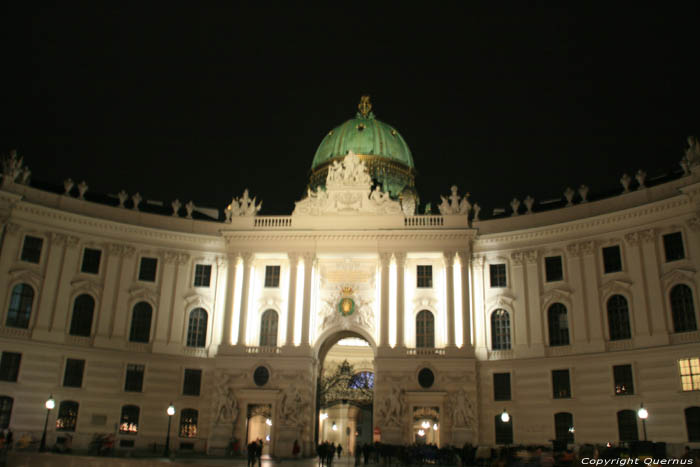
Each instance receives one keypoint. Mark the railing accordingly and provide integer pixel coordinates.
(501, 354)
(424, 221)
(268, 350)
(266, 222)
(685, 337)
(425, 352)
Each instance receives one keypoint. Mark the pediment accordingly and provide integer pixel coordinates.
(138, 292)
(197, 301)
(678, 275)
(558, 294)
(26, 275)
(93, 287)
(615, 285)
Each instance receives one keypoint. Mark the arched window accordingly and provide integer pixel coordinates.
(627, 425)
(67, 417)
(81, 322)
(618, 318)
(141, 322)
(197, 328)
(682, 309)
(20, 309)
(268, 328)
(564, 427)
(558, 325)
(500, 330)
(5, 411)
(692, 423)
(188, 423)
(129, 421)
(425, 329)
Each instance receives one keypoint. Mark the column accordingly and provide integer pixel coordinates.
(464, 259)
(654, 292)
(520, 329)
(400, 298)
(62, 307)
(449, 258)
(534, 304)
(230, 298)
(49, 287)
(578, 314)
(247, 259)
(479, 303)
(384, 261)
(291, 297)
(309, 264)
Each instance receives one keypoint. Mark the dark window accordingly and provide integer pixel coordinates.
(73, 376)
(561, 384)
(134, 377)
(91, 261)
(500, 330)
(498, 275)
(188, 423)
(692, 423)
(363, 380)
(202, 275)
(426, 378)
(20, 309)
(618, 318)
(81, 321)
(627, 425)
(612, 261)
(501, 387)
(425, 329)
(261, 376)
(67, 417)
(197, 328)
(272, 276)
(504, 430)
(268, 329)
(129, 421)
(689, 369)
(558, 325)
(553, 269)
(5, 411)
(192, 382)
(682, 309)
(564, 427)
(9, 366)
(141, 323)
(424, 275)
(624, 384)
(31, 250)
(147, 270)
(673, 246)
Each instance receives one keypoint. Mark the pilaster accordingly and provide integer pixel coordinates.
(309, 265)
(384, 261)
(247, 259)
(449, 258)
(464, 268)
(229, 300)
(400, 299)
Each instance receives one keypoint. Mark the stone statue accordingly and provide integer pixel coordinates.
(641, 177)
(137, 200)
(82, 188)
(515, 205)
(243, 206)
(293, 406)
(625, 181)
(477, 209)
(393, 409)
(123, 196)
(189, 207)
(68, 186)
(176, 207)
(454, 204)
(692, 153)
(461, 409)
(569, 195)
(225, 403)
(583, 193)
(529, 201)
(12, 168)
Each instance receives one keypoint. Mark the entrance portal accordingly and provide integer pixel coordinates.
(259, 425)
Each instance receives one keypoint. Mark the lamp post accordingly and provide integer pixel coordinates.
(49, 404)
(643, 414)
(170, 412)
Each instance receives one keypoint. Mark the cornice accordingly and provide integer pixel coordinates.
(346, 236)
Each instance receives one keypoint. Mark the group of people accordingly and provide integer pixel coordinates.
(327, 451)
(6, 439)
(255, 453)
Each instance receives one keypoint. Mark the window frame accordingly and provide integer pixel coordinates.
(547, 279)
(128, 371)
(23, 248)
(618, 335)
(558, 391)
(632, 415)
(269, 328)
(693, 377)
(428, 335)
(616, 382)
(569, 436)
(99, 261)
(20, 312)
(495, 386)
(677, 234)
(10, 365)
(495, 275)
(140, 269)
(269, 276)
(194, 341)
(132, 329)
(198, 280)
(77, 327)
(126, 411)
(192, 371)
(424, 276)
(5, 411)
(503, 431)
(551, 331)
(507, 340)
(193, 413)
(65, 373)
(64, 406)
(618, 246)
(690, 319)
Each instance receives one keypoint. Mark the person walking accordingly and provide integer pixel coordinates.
(339, 450)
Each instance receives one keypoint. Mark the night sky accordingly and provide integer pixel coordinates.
(199, 103)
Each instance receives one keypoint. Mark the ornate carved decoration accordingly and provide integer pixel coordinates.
(224, 403)
(241, 207)
(555, 295)
(384, 259)
(393, 408)
(82, 189)
(12, 228)
(137, 200)
(169, 257)
(400, 257)
(579, 249)
(26, 275)
(176, 205)
(57, 238)
(518, 258)
(143, 293)
(197, 301)
(246, 257)
(641, 177)
(123, 251)
(95, 288)
(615, 286)
(455, 204)
(676, 276)
(449, 258)
(461, 409)
(221, 262)
(183, 258)
(501, 301)
(632, 238)
(694, 223)
(294, 406)
(478, 261)
(72, 241)
(648, 235)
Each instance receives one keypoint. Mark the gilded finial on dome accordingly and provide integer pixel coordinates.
(365, 106)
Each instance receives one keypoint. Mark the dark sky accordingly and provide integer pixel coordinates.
(201, 102)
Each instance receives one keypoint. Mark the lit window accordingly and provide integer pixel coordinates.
(129, 421)
(188, 423)
(690, 373)
(67, 417)
(624, 385)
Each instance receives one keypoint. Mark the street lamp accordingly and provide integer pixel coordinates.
(49, 404)
(170, 412)
(643, 414)
(505, 416)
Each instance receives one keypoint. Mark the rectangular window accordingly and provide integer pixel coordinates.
(501, 387)
(272, 276)
(690, 373)
(134, 377)
(553, 269)
(504, 430)
(192, 382)
(31, 250)
(424, 275)
(624, 386)
(673, 246)
(9, 366)
(147, 269)
(561, 384)
(612, 260)
(498, 275)
(73, 376)
(91, 261)
(202, 275)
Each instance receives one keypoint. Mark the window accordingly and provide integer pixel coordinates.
(501, 387)
(188, 423)
(504, 430)
(682, 309)
(558, 325)
(91, 261)
(561, 384)
(129, 421)
(141, 323)
(147, 269)
(498, 275)
(5, 411)
(618, 318)
(20, 309)
(134, 377)
(268, 329)
(612, 261)
(627, 425)
(202, 275)
(690, 373)
(9, 366)
(553, 269)
(673, 246)
(426, 378)
(424, 276)
(692, 423)
(564, 427)
(192, 382)
(624, 384)
(31, 249)
(272, 276)
(81, 322)
(261, 376)
(500, 330)
(67, 417)
(197, 328)
(73, 375)
(425, 329)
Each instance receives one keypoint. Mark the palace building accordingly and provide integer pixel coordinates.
(356, 318)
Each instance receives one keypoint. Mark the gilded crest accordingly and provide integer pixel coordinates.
(346, 305)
